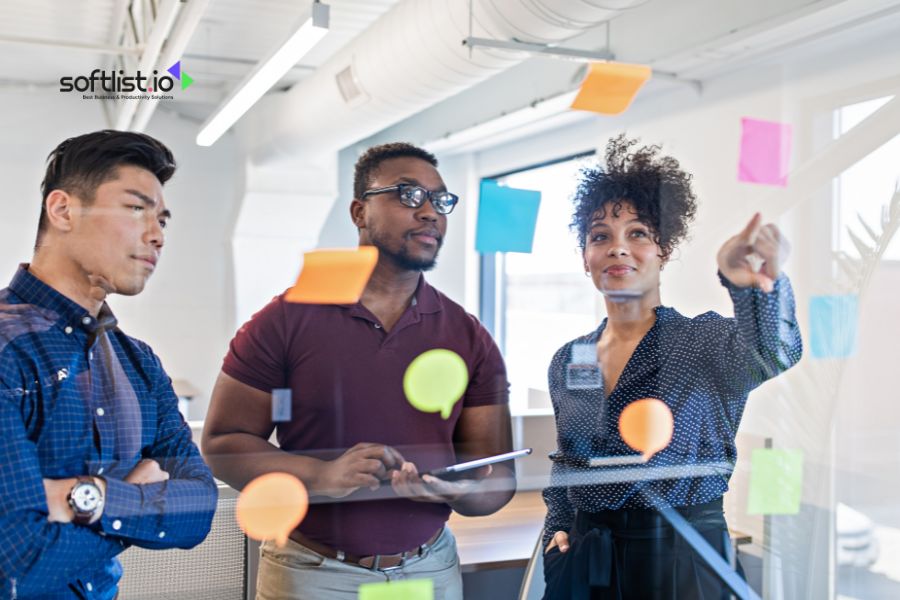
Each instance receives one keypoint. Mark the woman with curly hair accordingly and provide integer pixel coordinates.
(603, 535)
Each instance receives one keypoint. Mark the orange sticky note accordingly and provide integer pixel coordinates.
(647, 426)
(333, 276)
(271, 506)
(609, 87)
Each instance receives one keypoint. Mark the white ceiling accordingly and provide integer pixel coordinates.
(44, 40)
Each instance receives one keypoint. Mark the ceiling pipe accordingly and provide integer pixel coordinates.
(408, 60)
(175, 45)
(162, 26)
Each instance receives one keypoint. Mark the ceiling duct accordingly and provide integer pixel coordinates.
(408, 60)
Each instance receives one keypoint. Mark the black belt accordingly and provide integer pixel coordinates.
(648, 523)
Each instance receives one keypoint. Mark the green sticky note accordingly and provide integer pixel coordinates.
(404, 589)
(435, 381)
(776, 482)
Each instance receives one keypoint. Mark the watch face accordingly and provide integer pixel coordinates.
(85, 497)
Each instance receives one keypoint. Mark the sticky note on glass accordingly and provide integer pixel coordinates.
(333, 276)
(609, 88)
(765, 152)
(833, 326)
(403, 589)
(776, 482)
(281, 405)
(506, 218)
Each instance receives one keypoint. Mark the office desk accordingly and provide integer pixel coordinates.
(502, 540)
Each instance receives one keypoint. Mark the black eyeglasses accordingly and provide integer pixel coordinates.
(414, 196)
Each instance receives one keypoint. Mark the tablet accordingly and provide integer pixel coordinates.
(474, 464)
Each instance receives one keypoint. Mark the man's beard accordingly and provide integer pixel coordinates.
(402, 258)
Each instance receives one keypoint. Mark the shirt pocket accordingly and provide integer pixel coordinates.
(58, 422)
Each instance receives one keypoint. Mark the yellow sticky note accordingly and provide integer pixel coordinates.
(403, 589)
(609, 87)
(333, 276)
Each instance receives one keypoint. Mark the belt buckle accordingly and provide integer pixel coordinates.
(377, 560)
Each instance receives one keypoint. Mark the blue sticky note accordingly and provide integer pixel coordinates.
(506, 218)
(832, 325)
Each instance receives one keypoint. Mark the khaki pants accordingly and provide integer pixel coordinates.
(297, 573)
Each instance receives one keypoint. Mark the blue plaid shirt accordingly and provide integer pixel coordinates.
(79, 397)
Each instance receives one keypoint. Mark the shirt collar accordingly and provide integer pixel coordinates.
(664, 314)
(71, 314)
(425, 300)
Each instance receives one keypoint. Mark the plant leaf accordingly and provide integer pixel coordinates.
(865, 252)
(875, 238)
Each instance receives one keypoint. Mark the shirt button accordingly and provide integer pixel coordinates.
(90, 356)
(100, 412)
(117, 524)
(100, 471)
(89, 587)
(162, 534)
(68, 330)
(86, 320)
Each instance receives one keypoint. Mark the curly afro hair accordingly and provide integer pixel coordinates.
(656, 186)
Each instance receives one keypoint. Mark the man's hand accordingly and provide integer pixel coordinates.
(57, 491)
(407, 483)
(363, 465)
(757, 243)
(146, 471)
(58, 509)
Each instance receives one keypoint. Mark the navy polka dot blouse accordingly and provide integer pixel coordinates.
(702, 368)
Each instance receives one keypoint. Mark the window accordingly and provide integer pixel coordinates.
(537, 302)
(866, 188)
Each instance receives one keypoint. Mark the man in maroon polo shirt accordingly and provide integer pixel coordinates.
(352, 435)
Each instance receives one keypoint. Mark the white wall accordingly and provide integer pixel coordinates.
(185, 313)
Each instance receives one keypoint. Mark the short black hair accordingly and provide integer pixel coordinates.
(656, 186)
(79, 165)
(367, 164)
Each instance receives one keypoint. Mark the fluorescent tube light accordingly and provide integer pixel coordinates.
(266, 74)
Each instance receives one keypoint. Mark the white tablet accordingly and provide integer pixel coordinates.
(474, 464)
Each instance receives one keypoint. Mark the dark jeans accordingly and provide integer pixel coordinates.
(635, 554)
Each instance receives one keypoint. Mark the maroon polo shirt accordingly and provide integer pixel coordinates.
(346, 377)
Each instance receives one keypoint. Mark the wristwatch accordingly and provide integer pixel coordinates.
(86, 499)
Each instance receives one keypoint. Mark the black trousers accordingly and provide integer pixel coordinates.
(635, 554)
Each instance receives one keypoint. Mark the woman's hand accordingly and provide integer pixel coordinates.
(560, 539)
(753, 258)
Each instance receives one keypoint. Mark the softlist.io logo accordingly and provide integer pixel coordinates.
(185, 79)
(116, 85)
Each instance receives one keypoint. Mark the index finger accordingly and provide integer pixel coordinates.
(751, 230)
(392, 457)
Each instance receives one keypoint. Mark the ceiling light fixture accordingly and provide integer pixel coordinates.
(266, 74)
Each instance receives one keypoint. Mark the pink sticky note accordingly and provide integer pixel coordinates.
(765, 152)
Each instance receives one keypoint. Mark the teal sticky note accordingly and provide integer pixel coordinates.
(833, 326)
(403, 589)
(776, 482)
(506, 218)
